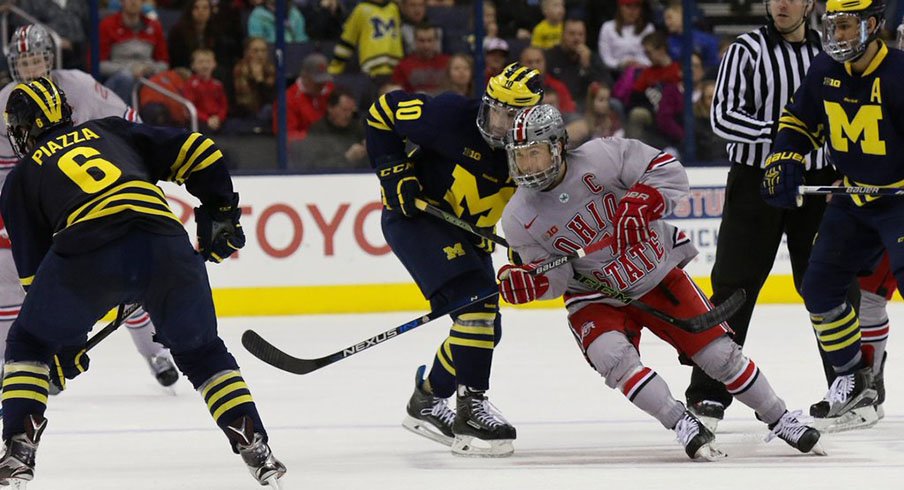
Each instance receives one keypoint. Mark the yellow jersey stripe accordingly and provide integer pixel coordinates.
(189, 142)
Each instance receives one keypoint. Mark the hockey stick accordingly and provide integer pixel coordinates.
(267, 352)
(837, 189)
(121, 314)
(699, 323)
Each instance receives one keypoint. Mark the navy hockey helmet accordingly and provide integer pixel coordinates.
(33, 109)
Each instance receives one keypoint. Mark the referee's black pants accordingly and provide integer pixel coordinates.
(749, 236)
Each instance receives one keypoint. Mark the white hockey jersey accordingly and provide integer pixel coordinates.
(540, 225)
(88, 98)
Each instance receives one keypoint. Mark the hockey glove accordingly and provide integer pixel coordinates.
(484, 243)
(784, 174)
(518, 286)
(68, 363)
(641, 205)
(399, 186)
(219, 231)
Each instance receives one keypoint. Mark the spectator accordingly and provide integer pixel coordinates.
(600, 119)
(205, 92)
(548, 32)
(533, 57)
(131, 46)
(495, 52)
(425, 69)
(574, 64)
(254, 77)
(710, 147)
(620, 39)
(323, 18)
(705, 44)
(68, 19)
(414, 13)
(193, 30)
(490, 20)
(148, 7)
(460, 75)
(262, 23)
(160, 109)
(337, 140)
(595, 15)
(662, 76)
(373, 28)
(306, 99)
(663, 68)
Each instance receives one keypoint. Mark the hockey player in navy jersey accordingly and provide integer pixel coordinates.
(852, 98)
(90, 230)
(460, 167)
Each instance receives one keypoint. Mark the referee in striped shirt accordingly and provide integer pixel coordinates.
(757, 76)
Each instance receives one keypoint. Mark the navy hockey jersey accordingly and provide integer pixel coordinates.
(84, 186)
(458, 170)
(861, 116)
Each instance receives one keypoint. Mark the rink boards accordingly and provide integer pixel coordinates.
(315, 246)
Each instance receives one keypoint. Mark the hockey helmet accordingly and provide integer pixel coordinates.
(30, 53)
(899, 41)
(536, 146)
(850, 19)
(515, 88)
(33, 109)
(810, 6)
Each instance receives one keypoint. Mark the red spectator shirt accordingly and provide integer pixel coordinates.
(655, 75)
(416, 74)
(303, 110)
(566, 101)
(208, 96)
(113, 31)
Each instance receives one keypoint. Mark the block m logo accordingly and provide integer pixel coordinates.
(383, 27)
(865, 124)
(454, 251)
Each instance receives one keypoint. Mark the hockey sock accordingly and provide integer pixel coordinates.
(751, 388)
(650, 393)
(142, 331)
(472, 339)
(25, 389)
(7, 315)
(442, 375)
(838, 332)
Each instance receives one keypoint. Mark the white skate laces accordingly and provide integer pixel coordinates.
(841, 389)
(687, 428)
(790, 427)
(441, 411)
(486, 413)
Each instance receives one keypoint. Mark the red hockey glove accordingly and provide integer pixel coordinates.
(641, 205)
(517, 286)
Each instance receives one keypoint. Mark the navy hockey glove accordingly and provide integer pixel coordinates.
(784, 174)
(484, 243)
(399, 186)
(68, 363)
(641, 205)
(219, 231)
(518, 286)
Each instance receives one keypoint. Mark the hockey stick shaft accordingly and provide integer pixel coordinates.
(270, 354)
(696, 324)
(122, 313)
(863, 191)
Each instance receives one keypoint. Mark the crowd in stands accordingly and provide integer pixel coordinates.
(612, 67)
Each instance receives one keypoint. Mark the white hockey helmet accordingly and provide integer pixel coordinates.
(535, 147)
(899, 42)
(30, 53)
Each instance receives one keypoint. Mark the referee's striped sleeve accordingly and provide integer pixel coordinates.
(730, 118)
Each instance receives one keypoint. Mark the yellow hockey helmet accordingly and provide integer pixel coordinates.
(33, 109)
(844, 15)
(513, 89)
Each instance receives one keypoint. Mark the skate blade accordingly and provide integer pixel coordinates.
(272, 482)
(880, 412)
(708, 452)
(856, 419)
(464, 446)
(14, 484)
(426, 430)
(818, 450)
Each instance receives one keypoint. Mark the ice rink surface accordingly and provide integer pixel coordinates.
(339, 428)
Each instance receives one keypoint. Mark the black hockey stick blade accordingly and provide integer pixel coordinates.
(267, 352)
(720, 313)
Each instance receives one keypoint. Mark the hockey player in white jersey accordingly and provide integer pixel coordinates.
(617, 189)
(30, 56)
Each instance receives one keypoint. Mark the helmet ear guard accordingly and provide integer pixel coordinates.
(515, 88)
(33, 109)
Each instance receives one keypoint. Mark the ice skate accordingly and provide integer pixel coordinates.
(164, 369)
(17, 467)
(428, 415)
(792, 428)
(696, 439)
(708, 412)
(848, 405)
(477, 420)
(264, 467)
